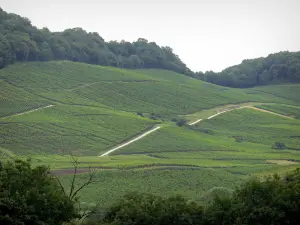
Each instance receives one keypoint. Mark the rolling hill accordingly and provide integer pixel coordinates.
(51, 110)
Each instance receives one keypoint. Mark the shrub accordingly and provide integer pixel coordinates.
(279, 145)
(181, 122)
(140, 114)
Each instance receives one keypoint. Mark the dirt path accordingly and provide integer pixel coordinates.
(267, 111)
(217, 114)
(195, 122)
(131, 141)
(246, 106)
(30, 111)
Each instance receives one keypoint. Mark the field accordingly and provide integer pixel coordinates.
(54, 109)
(195, 160)
(286, 110)
(64, 129)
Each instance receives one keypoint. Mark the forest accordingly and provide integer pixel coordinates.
(282, 67)
(21, 41)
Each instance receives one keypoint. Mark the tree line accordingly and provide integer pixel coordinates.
(33, 196)
(21, 41)
(282, 67)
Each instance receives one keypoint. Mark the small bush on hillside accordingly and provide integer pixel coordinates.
(154, 116)
(279, 145)
(238, 138)
(181, 122)
(140, 114)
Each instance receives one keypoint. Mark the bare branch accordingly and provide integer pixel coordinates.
(75, 165)
(60, 184)
(91, 177)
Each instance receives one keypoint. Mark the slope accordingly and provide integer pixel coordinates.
(88, 100)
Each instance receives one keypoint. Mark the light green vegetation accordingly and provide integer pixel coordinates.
(95, 108)
(287, 110)
(147, 91)
(16, 100)
(193, 183)
(253, 126)
(194, 161)
(286, 91)
(64, 129)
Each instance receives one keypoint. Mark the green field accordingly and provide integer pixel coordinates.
(287, 110)
(85, 110)
(64, 129)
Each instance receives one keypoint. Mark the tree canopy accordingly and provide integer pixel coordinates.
(274, 200)
(21, 41)
(31, 196)
(276, 68)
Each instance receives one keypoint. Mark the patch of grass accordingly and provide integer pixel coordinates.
(289, 92)
(192, 183)
(69, 129)
(17, 100)
(255, 127)
(286, 110)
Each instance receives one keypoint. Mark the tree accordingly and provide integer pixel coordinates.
(148, 209)
(274, 200)
(32, 196)
(181, 122)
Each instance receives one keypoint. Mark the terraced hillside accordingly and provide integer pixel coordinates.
(53, 109)
(218, 153)
(145, 91)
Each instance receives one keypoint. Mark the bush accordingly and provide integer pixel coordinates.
(238, 138)
(148, 209)
(181, 122)
(274, 200)
(279, 145)
(140, 114)
(154, 116)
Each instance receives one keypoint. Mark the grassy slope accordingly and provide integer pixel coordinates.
(89, 116)
(287, 110)
(65, 129)
(148, 91)
(193, 162)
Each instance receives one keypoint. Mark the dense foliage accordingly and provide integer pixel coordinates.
(31, 196)
(275, 200)
(275, 68)
(20, 41)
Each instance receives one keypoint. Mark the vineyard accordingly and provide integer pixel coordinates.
(286, 110)
(160, 92)
(69, 129)
(51, 110)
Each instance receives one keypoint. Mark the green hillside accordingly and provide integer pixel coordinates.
(53, 109)
(153, 91)
(193, 161)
